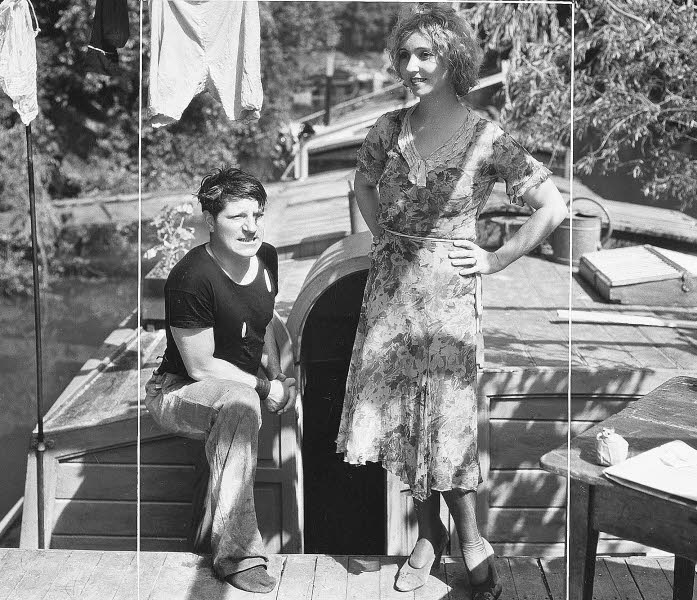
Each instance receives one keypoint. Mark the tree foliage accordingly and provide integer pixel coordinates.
(636, 94)
(365, 25)
(635, 85)
(535, 39)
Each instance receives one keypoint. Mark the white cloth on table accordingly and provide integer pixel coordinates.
(198, 45)
(18, 57)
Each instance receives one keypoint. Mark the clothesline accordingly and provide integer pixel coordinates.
(188, 55)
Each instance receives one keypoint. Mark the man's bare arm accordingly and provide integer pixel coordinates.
(196, 347)
(270, 358)
(271, 362)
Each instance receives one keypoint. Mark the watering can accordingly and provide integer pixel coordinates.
(583, 230)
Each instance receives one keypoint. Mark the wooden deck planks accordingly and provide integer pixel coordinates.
(622, 578)
(331, 577)
(74, 575)
(38, 575)
(148, 568)
(554, 570)
(647, 574)
(456, 578)
(363, 578)
(527, 575)
(298, 577)
(175, 578)
(603, 585)
(505, 573)
(13, 566)
(109, 575)
(92, 575)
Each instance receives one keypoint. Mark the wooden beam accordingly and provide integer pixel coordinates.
(582, 316)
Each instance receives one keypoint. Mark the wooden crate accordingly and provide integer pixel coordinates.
(642, 275)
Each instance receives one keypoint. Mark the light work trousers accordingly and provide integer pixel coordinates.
(227, 415)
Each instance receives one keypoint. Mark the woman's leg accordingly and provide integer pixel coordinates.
(462, 505)
(430, 528)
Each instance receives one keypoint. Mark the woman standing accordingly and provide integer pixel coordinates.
(423, 176)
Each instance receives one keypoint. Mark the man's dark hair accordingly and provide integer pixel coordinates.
(229, 183)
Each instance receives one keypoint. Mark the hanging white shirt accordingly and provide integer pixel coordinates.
(204, 44)
(18, 57)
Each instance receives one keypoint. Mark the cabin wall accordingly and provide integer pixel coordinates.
(526, 506)
(91, 499)
(95, 496)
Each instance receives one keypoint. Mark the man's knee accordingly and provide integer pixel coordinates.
(240, 402)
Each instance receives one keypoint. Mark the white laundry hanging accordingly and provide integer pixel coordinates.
(204, 44)
(18, 57)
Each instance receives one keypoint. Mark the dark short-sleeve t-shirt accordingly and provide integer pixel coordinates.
(198, 294)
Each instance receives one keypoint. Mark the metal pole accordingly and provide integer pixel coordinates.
(328, 83)
(39, 444)
(328, 99)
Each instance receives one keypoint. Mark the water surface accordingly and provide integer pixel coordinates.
(76, 318)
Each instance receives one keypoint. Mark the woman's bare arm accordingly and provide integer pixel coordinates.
(367, 199)
(549, 211)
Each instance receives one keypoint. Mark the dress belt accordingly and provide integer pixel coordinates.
(420, 238)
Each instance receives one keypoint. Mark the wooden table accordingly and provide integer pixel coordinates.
(667, 413)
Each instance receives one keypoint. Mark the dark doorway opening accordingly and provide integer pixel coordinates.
(344, 504)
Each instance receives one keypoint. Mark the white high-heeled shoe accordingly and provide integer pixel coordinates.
(411, 578)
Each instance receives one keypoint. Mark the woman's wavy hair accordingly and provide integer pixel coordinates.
(220, 186)
(452, 38)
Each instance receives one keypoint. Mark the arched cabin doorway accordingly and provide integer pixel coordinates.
(344, 506)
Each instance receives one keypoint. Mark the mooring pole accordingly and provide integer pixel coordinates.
(39, 442)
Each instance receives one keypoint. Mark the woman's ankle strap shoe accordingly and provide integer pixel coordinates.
(488, 594)
(491, 588)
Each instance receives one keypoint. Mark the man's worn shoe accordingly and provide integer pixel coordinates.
(254, 579)
(411, 578)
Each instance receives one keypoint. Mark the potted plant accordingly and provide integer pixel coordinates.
(174, 240)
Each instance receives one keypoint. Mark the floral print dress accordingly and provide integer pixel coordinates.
(411, 398)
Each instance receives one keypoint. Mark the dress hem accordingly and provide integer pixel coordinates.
(397, 472)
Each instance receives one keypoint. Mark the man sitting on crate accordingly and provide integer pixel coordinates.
(219, 303)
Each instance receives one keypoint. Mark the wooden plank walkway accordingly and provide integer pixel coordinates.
(98, 575)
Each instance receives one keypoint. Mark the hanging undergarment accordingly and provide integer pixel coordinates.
(109, 32)
(18, 56)
(198, 45)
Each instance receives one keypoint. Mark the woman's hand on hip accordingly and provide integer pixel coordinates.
(470, 259)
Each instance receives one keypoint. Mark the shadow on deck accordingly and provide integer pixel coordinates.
(82, 574)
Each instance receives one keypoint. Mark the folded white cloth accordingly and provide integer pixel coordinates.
(204, 44)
